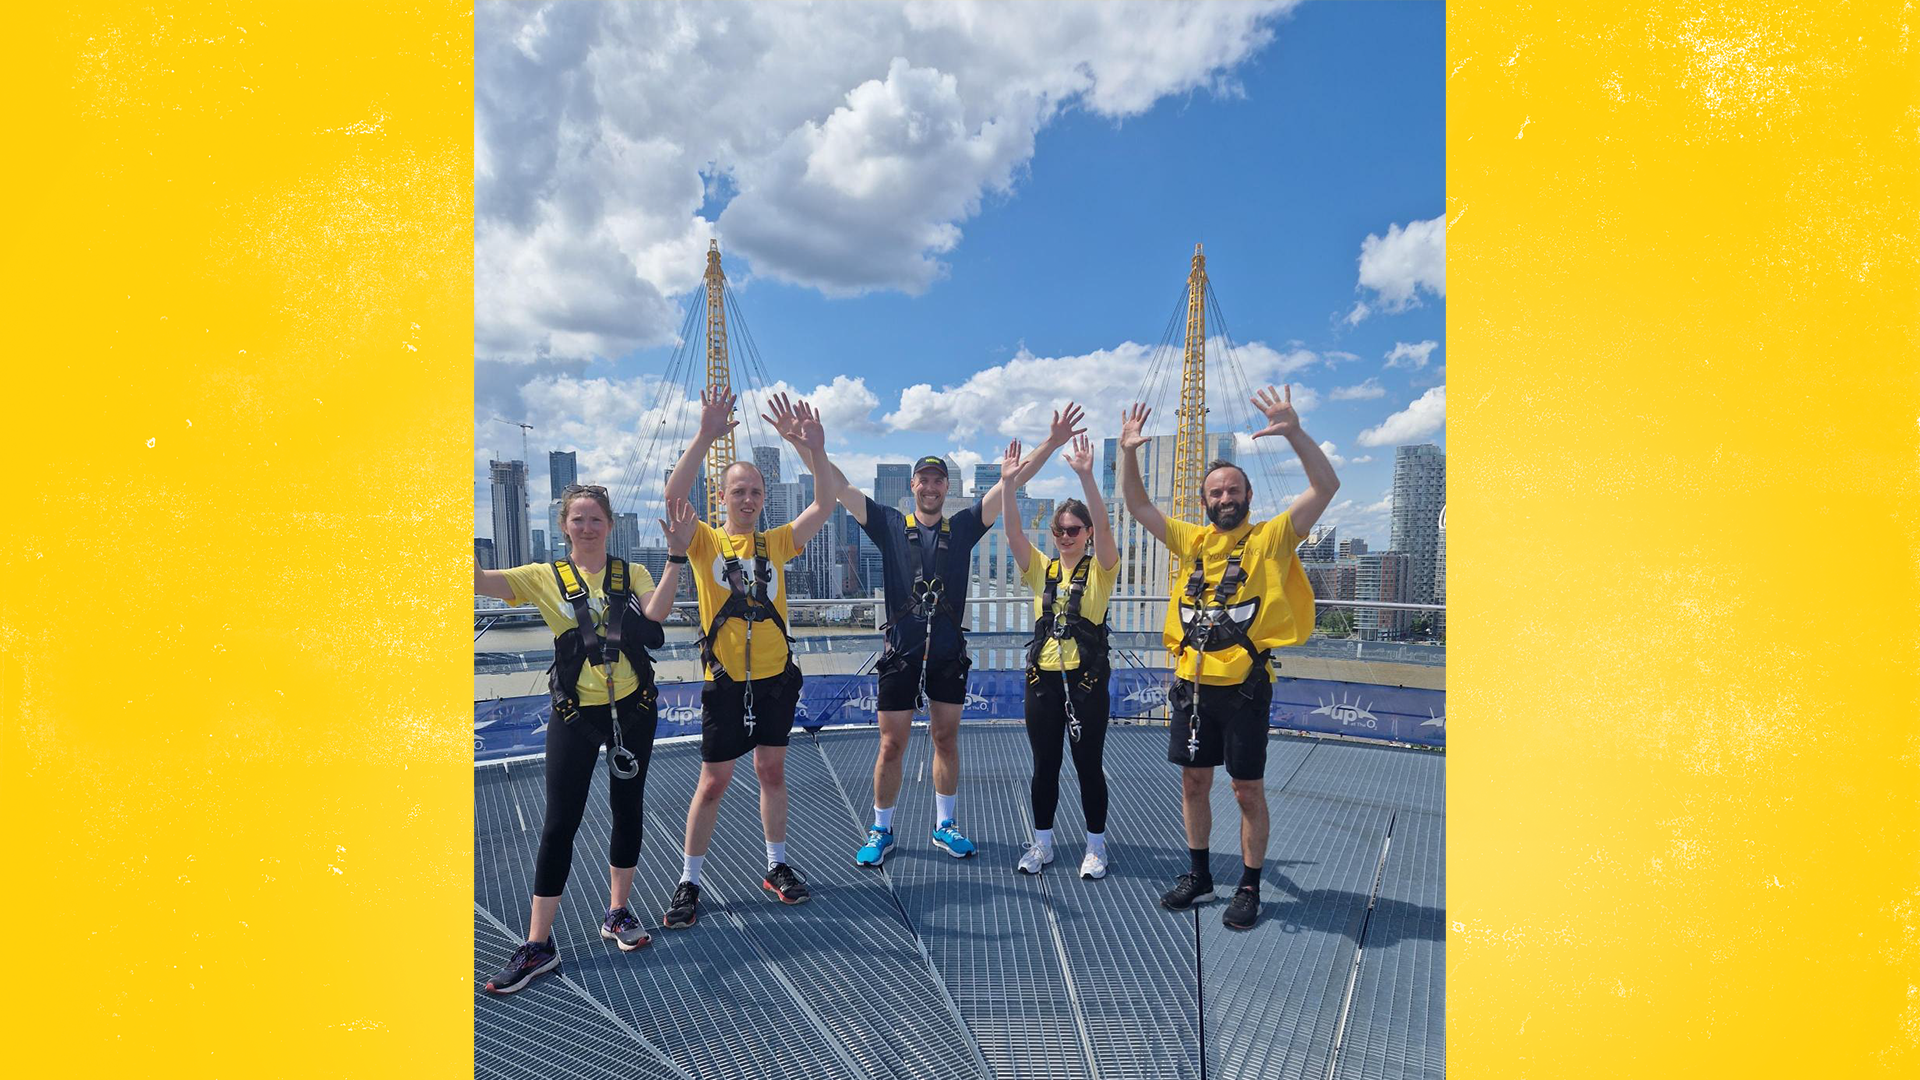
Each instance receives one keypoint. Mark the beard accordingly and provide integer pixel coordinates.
(1227, 515)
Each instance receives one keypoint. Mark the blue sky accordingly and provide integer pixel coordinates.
(991, 214)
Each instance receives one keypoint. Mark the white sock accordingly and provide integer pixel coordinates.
(691, 870)
(1097, 843)
(776, 853)
(883, 817)
(944, 806)
(1043, 838)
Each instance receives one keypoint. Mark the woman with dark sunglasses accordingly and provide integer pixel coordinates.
(1067, 659)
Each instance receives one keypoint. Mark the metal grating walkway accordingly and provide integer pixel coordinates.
(938, 967)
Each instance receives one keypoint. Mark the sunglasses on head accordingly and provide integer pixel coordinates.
(1067, 531)
(577, 489)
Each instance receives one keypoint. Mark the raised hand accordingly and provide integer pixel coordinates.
(1064, 422)
(1281, 419)
(679, 533)
(811, 434)
(1131, 423)
(1010, 462)
(1080, 459)
(716, 414)
(785, 420)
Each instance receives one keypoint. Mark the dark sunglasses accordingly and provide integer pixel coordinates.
(578, 489)
(1068, 531)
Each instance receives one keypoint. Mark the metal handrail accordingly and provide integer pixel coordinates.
(857, 601)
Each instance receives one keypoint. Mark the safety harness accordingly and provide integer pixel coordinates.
(750, 603)
(928, 595)
(1090, 637)
(581, 644)
(1221, 624)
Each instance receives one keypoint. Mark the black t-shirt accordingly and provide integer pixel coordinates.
(887, 528)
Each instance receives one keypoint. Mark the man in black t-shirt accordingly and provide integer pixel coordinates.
(927, 562)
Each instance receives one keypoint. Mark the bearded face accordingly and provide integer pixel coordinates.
(1226, 492)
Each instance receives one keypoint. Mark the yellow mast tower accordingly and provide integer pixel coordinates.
(720, 454)
(1190, 440)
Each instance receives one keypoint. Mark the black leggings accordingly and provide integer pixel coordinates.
(573, 756)
(1047, 729)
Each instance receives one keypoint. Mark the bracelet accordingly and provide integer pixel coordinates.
(681, 559)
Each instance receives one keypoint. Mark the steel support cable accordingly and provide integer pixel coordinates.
(1235, 371)
(635, 474)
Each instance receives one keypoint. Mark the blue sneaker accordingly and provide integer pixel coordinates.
(949, 837)
(874, 851)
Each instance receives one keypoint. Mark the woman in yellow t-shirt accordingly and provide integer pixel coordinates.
(1067, 658)
(583, 719)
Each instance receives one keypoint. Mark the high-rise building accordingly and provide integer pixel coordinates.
(767, 460)
(483, 553)
(539, 545)
(698, 496)
(1383, 575)
(626, 536)
(562, 469)
(559, 547)
(1320, 545)
(1440, 575)
(984, 477)
(1419, 491)
(1351, 548)
(512, 541)
(892, 483)
(783, 504)
(1109, 467)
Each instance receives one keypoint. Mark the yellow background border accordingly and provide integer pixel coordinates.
(1685, 774)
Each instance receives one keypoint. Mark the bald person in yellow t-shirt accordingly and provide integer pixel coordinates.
(1242, 594)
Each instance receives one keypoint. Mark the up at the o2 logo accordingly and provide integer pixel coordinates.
(1348, 715)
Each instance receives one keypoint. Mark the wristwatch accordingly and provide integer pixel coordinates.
(677, 559)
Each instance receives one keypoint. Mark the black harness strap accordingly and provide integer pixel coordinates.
(592, 649)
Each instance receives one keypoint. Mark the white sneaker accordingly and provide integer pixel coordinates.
(1094, 866)
(1034, 858)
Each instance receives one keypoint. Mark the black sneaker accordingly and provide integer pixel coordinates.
(785, 884)
(1188, 890)
(528, 961)
(1243, 910)
(684, 911)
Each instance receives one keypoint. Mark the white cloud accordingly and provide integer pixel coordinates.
(1411, 356)
(1425, 416)
(1401, 265)
(1366, 391)
(848, 144)
(1017, 399)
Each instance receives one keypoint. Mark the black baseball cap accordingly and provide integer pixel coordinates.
(931, 461)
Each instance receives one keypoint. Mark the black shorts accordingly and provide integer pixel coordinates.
(1233, 725)
(723, 725)
(900, 681)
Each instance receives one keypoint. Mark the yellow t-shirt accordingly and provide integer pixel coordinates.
(1057, 654)
(1274, 576)
(535, 584)
(706, 557)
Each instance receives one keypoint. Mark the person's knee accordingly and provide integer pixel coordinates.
(1252, 795)
(1195, 783)
(893, 746)
(713, 784)
(771, 771)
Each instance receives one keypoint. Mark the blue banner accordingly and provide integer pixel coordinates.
(511, 727)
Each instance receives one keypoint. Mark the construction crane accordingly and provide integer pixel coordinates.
(1190, 439)
(720, 454)
(524, 428)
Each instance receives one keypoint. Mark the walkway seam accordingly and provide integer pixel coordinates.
(1359, 951)
(926, 958)
(1066, 967)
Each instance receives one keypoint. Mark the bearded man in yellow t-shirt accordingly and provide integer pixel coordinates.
(1243, 593)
